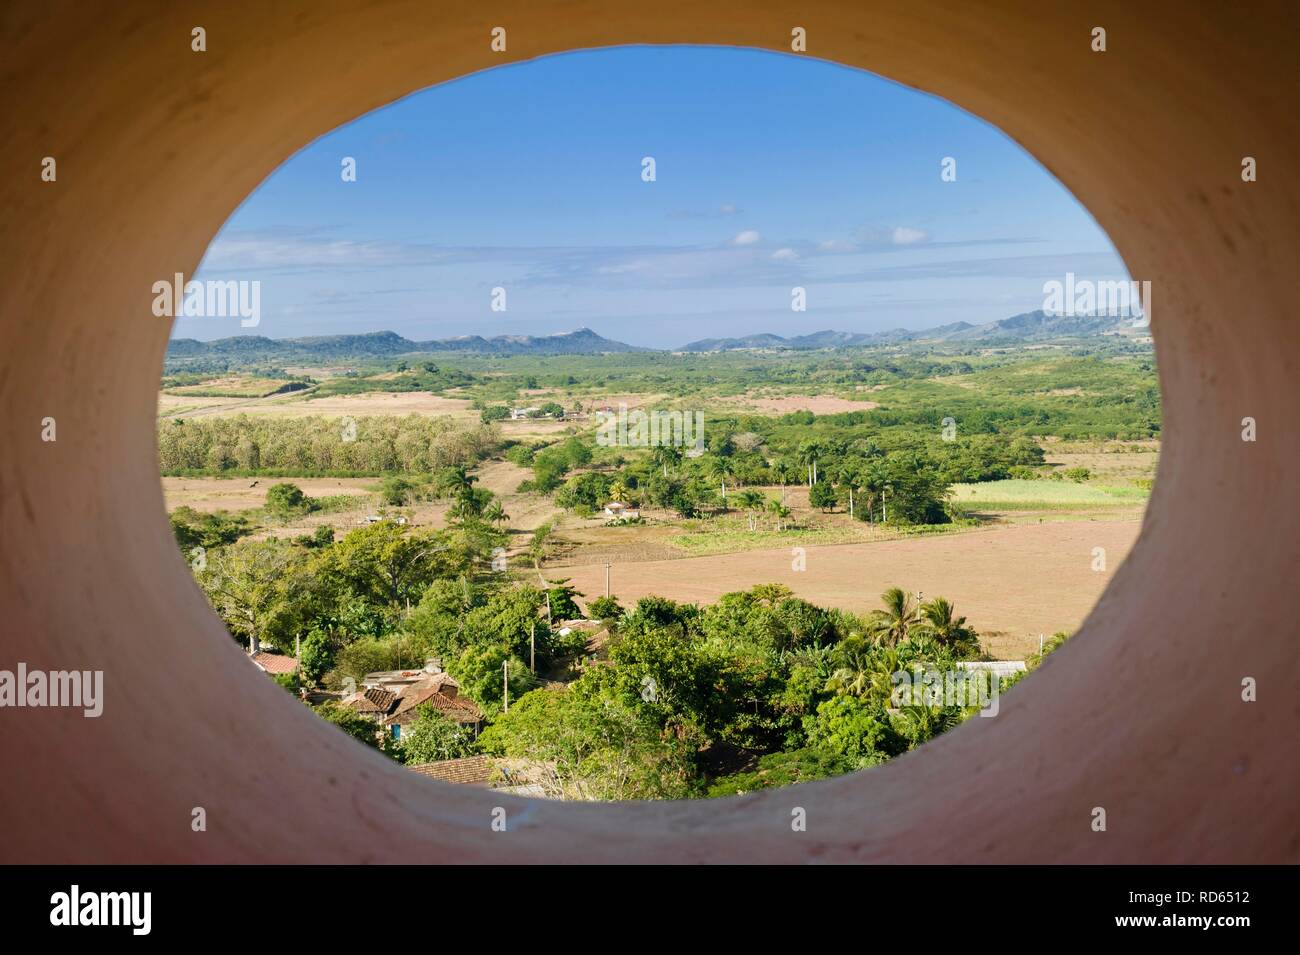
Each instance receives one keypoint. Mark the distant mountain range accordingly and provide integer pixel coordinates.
(385, 344)
(1031, 326)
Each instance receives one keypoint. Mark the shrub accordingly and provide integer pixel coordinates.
(286, 500)
(604, 608)
(396, 490)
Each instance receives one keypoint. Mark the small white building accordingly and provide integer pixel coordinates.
(376, 518)
(517, 413)
(618, 510)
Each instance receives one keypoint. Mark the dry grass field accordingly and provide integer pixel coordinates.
(784, 404)
(1011, 582)
(237, 494)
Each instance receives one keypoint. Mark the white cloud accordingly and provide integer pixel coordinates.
(748, 237)
(785, 255)
(903, 235)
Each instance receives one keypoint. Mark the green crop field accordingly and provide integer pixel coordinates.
(1011, 495)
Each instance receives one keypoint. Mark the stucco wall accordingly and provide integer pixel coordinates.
(1140, 714)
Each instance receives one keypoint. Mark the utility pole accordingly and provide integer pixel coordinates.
(505, 681)
(532, 646)
(607, 580)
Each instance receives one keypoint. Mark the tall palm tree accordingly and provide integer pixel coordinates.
(809, 452)
(722, 468)
(875, 477)
(850, 476)
(785, 472)
(779, 511)
(665, 455)
(940, 621)
(893, 624)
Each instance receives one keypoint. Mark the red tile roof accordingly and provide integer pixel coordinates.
(375, 700)
(471, 770)
(442, 693)
(274, 662)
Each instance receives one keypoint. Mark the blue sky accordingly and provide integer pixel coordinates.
(772, 172)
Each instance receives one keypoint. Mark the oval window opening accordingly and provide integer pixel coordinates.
(657, 422)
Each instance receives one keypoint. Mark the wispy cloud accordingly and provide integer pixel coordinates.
(744, 260)
(726, 210)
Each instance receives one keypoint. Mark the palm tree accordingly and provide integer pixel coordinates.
(751, 501)
(666, 454)
(939, 621)
(854, 662)
(901, 614)
(456, 480)
(495, 513)
(850, 476)
(784, 473)
(920, 724)
(618, 492)
(809, 451)
(778, 511)
(722, 468)
(875, 478)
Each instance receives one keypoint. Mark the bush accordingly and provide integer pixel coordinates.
(781, 769)
(286, 500)
(395, 490)
(604, 608)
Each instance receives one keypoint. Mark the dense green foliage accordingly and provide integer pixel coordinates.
(250, 444)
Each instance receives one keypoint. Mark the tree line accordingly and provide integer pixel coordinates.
(252, 444)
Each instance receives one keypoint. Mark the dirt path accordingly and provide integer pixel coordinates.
(1012, 583)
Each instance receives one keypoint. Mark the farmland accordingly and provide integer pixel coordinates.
(371, 512)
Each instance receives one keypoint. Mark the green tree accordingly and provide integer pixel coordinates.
(823, 495)
(604, 608)
(895, 622)
(285, 501)
(433, 737)
(245, 584)
(601, 746)
(854, 730)
(396, 490)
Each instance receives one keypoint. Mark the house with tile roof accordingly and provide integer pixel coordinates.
(395, 706)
